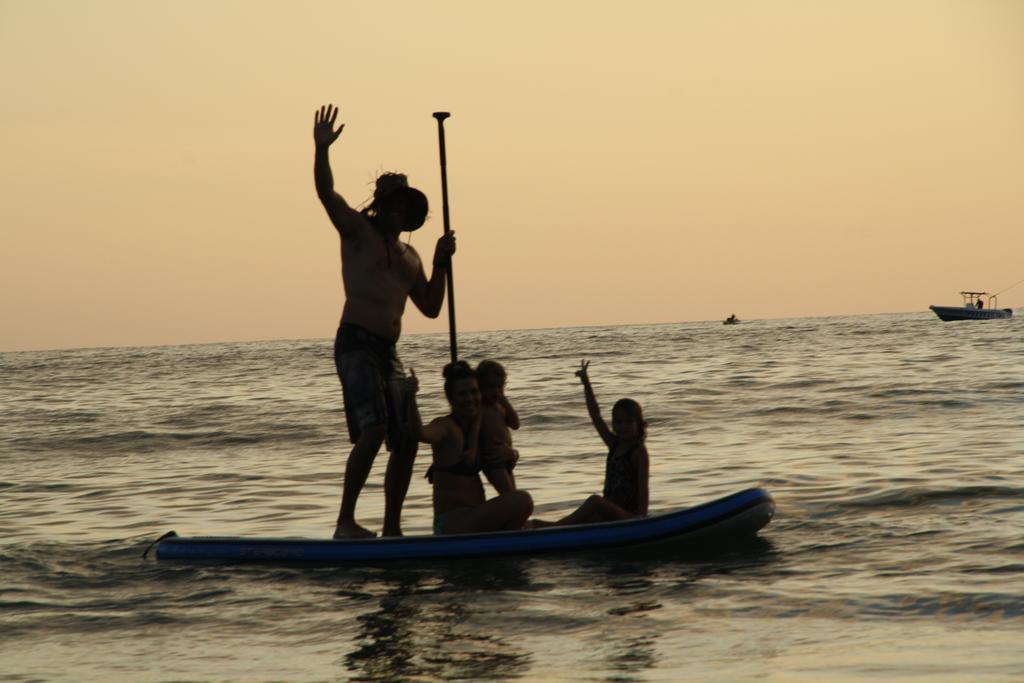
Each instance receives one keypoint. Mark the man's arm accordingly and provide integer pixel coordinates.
(347, 220)
(428, 295)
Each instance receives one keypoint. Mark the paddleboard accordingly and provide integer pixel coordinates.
(729, 519)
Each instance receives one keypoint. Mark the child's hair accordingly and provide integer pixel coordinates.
(456, 372)
(632, 409)
(490, 368)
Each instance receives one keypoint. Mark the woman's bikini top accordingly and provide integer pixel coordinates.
(460, 468)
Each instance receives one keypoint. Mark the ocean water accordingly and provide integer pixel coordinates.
(893, 444)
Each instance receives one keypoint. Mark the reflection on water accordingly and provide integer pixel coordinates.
(492, 619)
(386, 646)
(631, 635)
(632, 656)
(427, 625)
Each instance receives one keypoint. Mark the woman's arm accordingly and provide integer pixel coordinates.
(435, 432)
(471, 450)
(592, 407)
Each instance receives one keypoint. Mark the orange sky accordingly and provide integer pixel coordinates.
(608, 163)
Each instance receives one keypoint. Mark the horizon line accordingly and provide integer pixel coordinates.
(445, 332)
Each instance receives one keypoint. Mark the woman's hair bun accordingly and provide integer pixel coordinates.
(457, 368)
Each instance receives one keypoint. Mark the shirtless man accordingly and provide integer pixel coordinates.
(379, 274)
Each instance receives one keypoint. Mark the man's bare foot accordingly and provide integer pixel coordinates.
(352, 530)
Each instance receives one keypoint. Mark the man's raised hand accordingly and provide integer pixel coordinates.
(323, 126)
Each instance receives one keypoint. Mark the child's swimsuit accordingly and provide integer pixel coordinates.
(497, 453)
(620, 482)
(503, 458)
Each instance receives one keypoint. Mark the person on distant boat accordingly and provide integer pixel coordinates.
(460, 505)
(626, 493)
(379, 274)
(498, 418)
(980, 304)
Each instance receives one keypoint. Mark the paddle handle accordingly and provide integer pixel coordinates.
(441, 116)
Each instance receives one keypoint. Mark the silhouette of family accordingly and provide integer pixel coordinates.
(380, 275)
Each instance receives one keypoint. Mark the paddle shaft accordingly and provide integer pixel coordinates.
(441, 116)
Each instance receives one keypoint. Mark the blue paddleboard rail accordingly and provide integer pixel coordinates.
(733, 517)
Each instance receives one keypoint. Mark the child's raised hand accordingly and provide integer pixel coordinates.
(582, 372)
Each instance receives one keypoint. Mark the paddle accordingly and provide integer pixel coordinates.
(441, 116)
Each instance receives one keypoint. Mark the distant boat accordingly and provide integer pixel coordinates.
(731, 320)
(974, 308)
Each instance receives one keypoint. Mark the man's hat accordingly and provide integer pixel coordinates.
(392, 189)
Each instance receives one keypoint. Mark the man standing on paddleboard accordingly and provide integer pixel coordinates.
(379, 274)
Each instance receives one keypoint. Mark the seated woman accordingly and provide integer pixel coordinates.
(460, 506)
(626, 491)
